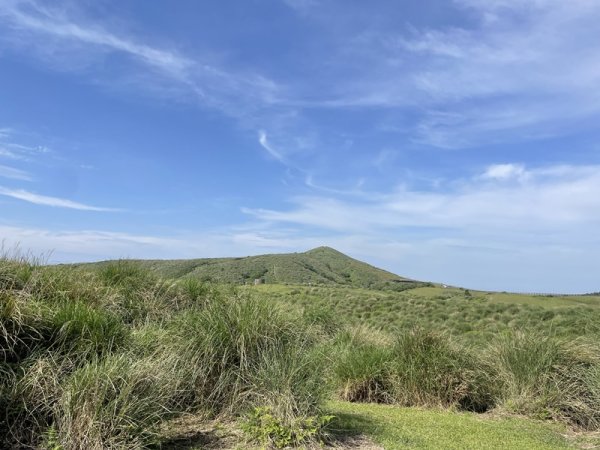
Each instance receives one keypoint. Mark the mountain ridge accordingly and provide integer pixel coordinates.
(320, 265)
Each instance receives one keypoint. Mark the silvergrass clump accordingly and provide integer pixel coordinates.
(194, 292)
(82, 330)
(418, 368)
(287, 379)
(428, 369)
(16, 266)
(117, 402)
(135, 293)
(233, 340)
(360, 369)
(546, 377)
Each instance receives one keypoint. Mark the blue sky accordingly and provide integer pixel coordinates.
(452, 141)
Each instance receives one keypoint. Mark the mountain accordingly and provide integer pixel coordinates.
(322, 265)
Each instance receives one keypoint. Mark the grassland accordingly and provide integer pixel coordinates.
(114, 355)
(470, 315)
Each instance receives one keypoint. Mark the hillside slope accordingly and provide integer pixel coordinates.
(322, 265)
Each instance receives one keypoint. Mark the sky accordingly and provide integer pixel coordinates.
(448, 141)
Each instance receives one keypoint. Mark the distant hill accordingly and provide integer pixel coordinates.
(322, 265)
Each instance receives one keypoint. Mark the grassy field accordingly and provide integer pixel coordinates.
(400, 428)
(115, 356)
(472, 315)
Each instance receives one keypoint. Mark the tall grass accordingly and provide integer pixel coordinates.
(417, 368)
(360, 370)
(235, 341)
(100, 360)
(429, 369)
(546, 377)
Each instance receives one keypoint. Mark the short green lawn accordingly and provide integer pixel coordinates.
(399, 428)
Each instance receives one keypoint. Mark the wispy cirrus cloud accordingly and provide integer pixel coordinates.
(12, 147)
(45, 200)
(80, 45)
(491, 77)
(15, 174)
(546, 199)
(29, 16)
(264, 143)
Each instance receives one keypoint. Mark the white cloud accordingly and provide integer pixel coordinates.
(508, 71)
(11, 149)
(262, 139)
(45, 200)
(93, 245)
(42, 20)
(15, 174)
(540, 234)
(67, 44)
(505, 172)
(547, 199)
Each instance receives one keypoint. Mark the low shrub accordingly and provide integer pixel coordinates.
(267, 429)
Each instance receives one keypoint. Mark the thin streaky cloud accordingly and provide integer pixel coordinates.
(15, 174)
(51, 23)
(8, 154)
(547, 199)
(233, 93)
(263, 141)
(56, 202)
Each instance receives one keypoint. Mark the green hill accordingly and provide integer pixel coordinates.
(322, 266)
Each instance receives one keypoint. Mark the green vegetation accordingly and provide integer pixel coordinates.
(320, 266)
(399, 428)
(100, 360)
(109, 355)
(472, 316)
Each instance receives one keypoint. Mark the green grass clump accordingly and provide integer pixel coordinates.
(417, 368)
(77, 328)
(360, 370)
(428, 369)
(532, 374)
(117, 402)
(546, 377)
(248, 352)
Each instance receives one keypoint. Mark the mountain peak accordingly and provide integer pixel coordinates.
(324, 249)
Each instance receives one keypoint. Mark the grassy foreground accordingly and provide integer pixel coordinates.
(364, 426)
(105, 359)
